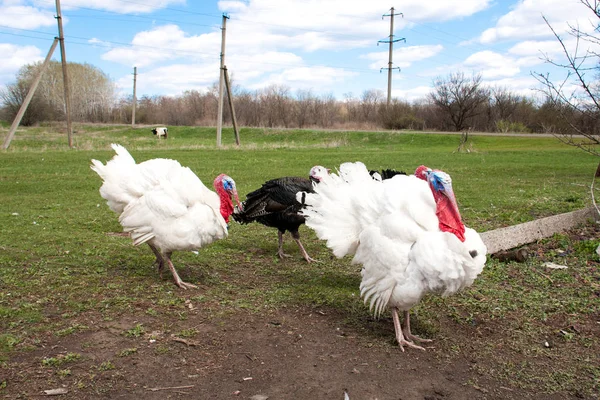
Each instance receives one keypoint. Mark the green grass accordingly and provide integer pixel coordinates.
(60, 359)
(60, 265)
(127, 352)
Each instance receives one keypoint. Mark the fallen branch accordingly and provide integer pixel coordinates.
(171, 388)
(545, 276)
(185, 341)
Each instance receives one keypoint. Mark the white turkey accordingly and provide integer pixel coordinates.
(164, 204)
(274, 204)
(405, 231)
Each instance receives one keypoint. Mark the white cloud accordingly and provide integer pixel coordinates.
(492, 65)
(25, 17)
(354, 13)
(306, 78)
(246, 67)
(18, 14)
(270, 41)
(123, 7)
(525, 20)
(404, 56)
(251, 60)
(15, 57)
(173, 79)
(535, 47)
(164, 44)
(329, 21)
(416, 93)
(524, 86)
(100, 43)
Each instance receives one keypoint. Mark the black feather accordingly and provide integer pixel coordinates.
(387, 173)
(274, 204)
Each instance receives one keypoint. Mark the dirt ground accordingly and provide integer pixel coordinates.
(287, 353)
(291, 354)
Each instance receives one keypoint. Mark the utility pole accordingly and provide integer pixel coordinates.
(391, 41)
(63, 57)
(25, 104)
(221, 81)
(230, 98)
(134, 98)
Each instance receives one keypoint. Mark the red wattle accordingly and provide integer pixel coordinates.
(226, 208)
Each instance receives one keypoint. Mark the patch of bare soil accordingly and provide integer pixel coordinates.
(293, 353)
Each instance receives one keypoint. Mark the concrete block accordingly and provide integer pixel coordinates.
(529, 232)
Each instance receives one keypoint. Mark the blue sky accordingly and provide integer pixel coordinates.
(326, 46)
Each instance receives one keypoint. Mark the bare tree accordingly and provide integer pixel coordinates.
(369, 104)
(326, 110)
(276, 105)
(504, 102)
(577, 96)
(459, 98)
(13, 95)
(303, 107)
(92, 99)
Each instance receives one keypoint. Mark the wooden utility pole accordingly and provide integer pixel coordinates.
(221, 81)
(230, 99)
(63, 57)
(391, 41)
(134, 98)
(23, 108)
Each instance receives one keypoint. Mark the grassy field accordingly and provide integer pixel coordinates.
(59, 262)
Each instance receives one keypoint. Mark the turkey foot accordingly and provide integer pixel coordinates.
(282, 255)
(407, 334)
(402, 341)
(178, 281)
(159, 262)
(304, 253)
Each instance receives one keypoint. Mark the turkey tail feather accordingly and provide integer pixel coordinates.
(333, 211)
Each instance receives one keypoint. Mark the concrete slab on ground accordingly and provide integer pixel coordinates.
(529, 232)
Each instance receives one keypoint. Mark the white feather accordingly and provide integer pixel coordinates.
(391, 228)
(160, 202)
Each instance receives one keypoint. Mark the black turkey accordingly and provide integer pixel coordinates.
(274, 204)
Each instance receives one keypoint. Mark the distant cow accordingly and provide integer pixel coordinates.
(160, 132)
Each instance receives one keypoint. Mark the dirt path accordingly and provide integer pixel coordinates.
(291, 354)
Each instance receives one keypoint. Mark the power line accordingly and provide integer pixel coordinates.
(211, 56)
(176, 21)
(242, 20)
(364, 18)
(246, 60)
(26, 36)
(287, 27)
(468, 42)
(138, 3)
(28, 30)
(134, 17)
(107, 44)
(174, 9)
(104, 43)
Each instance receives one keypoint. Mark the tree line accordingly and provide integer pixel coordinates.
(457, 102)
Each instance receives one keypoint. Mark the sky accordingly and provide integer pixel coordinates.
(327, 47)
